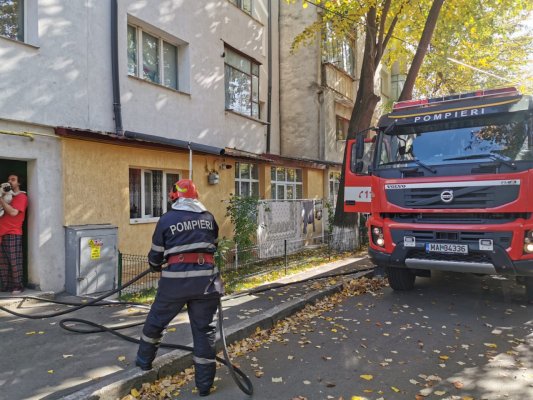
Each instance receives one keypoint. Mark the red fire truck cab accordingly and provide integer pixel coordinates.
(448, 186)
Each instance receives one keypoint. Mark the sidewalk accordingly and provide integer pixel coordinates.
(39, 360)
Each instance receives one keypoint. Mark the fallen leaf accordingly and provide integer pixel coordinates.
(458, 384)
(366, 377)
(171, 329)
(440, 392)
(134, 392)
(395, 389)
(121, 358)
(444, 357)
(307, 382)
(277, 380)
(50, 371)
(491, 345)
(68, 355)
(31, 333)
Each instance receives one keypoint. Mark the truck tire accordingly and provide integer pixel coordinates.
(400, 278)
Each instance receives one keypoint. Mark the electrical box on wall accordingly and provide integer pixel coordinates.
(213, 178)
(91, 259)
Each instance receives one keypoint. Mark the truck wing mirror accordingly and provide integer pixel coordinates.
(359, 146)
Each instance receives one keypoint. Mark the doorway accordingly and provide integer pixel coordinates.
(20, 168)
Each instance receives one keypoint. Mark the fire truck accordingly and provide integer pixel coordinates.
(447, 184)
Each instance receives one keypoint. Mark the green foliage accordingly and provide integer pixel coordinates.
(491, 36)
(224, 245)
(242, 212)
(330, 207)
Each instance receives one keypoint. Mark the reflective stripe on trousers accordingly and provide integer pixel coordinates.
(189, 274)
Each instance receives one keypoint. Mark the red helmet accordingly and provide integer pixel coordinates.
(183, 188)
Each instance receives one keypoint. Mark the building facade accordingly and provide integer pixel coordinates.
(106, 103)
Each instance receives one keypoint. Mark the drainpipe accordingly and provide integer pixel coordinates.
(117, 108)
(269, 98)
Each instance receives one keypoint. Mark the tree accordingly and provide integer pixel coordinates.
(390, 27)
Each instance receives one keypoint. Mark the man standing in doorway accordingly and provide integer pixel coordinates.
(11, 238)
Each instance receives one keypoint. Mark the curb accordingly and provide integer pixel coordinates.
(118, 385)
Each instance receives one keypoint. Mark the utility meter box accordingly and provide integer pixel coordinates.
(91, 259)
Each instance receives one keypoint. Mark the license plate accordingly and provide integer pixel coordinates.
(449, 248)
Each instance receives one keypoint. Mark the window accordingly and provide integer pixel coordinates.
(152, 58)
(148, 192)
(342, 128)
(246, 180)
(12, 19)
(245, 5)
(397, 82)
(338, 51)
(242, 84)
(334, 183)
(286, 183)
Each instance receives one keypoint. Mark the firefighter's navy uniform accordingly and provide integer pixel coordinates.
(185, 237)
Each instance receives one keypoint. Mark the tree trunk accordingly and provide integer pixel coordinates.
(425, 39)
(365, 104)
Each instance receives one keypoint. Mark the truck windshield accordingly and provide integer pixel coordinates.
(507, 138)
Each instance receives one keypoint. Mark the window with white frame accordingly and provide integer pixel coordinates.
(149, 192)
(152, 58)
(246, 180)
(334, 184)
(286, 183)
(12, 19)
(245, 5)
(241, 83)
(338, 51)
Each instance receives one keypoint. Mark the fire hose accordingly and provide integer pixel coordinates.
(243, 382)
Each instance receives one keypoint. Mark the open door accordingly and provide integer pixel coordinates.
(357, 180)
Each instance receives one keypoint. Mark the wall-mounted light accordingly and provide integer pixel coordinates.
(224, 165)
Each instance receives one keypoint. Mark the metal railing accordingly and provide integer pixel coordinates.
(247, 265)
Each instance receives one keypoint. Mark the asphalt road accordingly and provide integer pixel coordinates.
(38, 359)
(455, 336)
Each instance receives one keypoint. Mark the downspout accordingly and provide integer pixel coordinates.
(269, 98)
(117, 108)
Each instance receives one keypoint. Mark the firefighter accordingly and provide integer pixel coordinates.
(185, 238)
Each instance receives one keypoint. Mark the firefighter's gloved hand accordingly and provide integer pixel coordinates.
(155, 268)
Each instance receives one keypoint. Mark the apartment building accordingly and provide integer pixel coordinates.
(106, 103)
(319, 84)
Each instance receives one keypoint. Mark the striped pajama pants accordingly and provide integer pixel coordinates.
(10, 263)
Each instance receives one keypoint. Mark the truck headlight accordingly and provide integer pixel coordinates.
(377, 236)
(528, 242)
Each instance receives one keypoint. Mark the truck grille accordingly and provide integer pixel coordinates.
(502, 239)
(455, 218)
(463, 197)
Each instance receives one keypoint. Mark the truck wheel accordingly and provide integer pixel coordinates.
(400, 278)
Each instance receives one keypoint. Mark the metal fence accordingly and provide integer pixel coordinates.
(249, 264)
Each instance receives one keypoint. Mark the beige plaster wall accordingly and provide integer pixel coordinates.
(96, 181)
